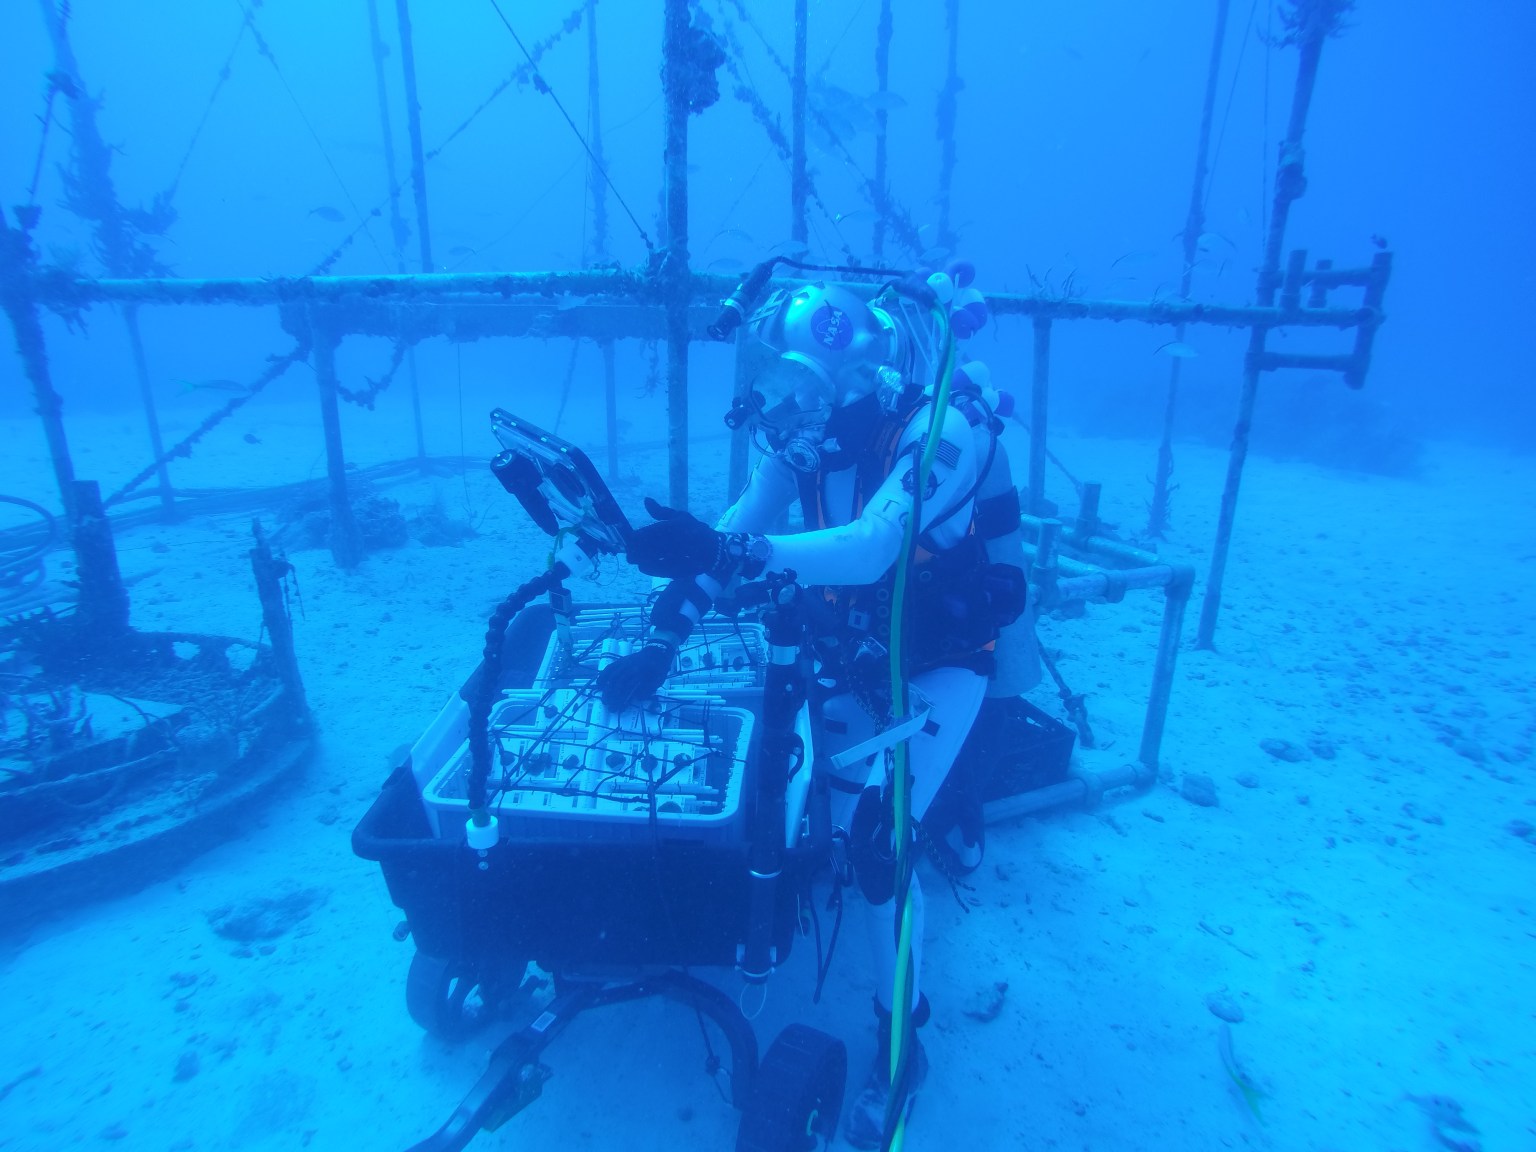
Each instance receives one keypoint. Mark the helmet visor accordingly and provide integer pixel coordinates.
(790, 392)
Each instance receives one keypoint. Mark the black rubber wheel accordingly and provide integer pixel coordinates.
(798, 1095)
(442, 998)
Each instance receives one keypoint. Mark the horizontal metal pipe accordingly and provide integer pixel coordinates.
(1112, 584)
(1319, 362)
(1098, 544)
(475, 319)
(1081, 788)
(51, 286)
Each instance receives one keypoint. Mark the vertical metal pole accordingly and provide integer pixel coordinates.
(413, 125)
(741, 438)
(948, 100)
(598, 189)
(798, 185)
(16, 257)
(101, 611)
(151, 418)
(346, 542)
(1176, 599)
(882, 85)
(1290, 183)
(269, 571)
(677, 283)
(1194, 225)
(96, 201)
(397, 226)
(1039, 411)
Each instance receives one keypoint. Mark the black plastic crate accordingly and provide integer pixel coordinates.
(1017, 748)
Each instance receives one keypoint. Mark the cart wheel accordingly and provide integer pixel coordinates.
(441, 998)
(799, 1093)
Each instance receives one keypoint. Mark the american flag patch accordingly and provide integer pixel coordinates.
(948, 455)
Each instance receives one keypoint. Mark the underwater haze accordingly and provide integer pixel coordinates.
(1301, 918)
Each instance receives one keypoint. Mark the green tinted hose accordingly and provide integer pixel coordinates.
(901, 1012)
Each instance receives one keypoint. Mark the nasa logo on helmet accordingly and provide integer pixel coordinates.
(832, 328)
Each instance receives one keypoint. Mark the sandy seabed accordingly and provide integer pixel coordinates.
(1365, 901)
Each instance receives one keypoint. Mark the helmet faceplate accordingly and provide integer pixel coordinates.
(812, 349)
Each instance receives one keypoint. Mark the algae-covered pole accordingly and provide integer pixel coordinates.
(1039, 410)
(397, 227)
(16, 256)
(101, 612)
(1308, 23)
(948, 99)
(1194, 225)
(597, 188)
(798, 183)
(92, 196)
(413, 126)
(346, 543)
(1176, 600)
(270, 572)
(676, 79)
(882, 117)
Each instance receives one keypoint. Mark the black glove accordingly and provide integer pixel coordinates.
(677, 546)
(636, 677)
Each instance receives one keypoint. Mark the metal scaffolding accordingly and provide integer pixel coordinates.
(666, 299)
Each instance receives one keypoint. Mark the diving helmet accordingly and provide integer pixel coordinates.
(812, 349)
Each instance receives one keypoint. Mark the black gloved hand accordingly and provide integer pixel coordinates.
(677, 546)
(636, 677)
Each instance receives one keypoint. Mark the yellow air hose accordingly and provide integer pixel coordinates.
(901, 1010)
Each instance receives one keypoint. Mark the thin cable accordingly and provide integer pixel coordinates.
(207, 110)
(266, 51)
(1226, 112)
(838, 43)
(543, 86)
(42, 140)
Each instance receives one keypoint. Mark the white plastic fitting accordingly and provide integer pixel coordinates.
(482, 837)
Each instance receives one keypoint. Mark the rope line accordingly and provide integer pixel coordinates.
(1226, 112)
(278, 365)
(202, 122)
(541, 85)
(266, 51)
(520, 75)
(901, 220)
(42, 140)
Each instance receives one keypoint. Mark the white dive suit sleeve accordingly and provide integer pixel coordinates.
(861, 551)
(770, 490)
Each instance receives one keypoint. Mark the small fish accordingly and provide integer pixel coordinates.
(1447, 1124)
(326, 212)
(1209, 240)
(1251, 1093)
(219, 385)
(1379, 240)
(857, 216)
(1177, 349)
(251, 438)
